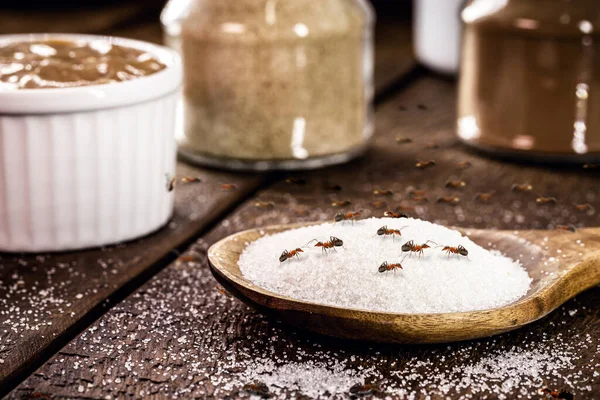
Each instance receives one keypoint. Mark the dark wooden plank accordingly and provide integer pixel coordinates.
(45, 300)
(150, 31)
(80, 20)
(394, 56)
(47, 297)
(179, 337)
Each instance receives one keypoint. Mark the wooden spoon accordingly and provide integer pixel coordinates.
(561, 263)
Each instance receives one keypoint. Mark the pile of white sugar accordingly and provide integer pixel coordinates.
(349, 277)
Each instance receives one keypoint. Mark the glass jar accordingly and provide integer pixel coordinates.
(274, 84)
(530, 78)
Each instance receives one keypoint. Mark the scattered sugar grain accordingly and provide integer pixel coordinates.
(314, 379)
(348, 277)
(217, 359)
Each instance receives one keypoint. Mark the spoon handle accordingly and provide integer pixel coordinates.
(578, 254)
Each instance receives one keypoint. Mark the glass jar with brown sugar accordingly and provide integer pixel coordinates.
(530, 78)
(274, 84)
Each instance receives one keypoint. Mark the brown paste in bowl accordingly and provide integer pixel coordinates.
(61, 63)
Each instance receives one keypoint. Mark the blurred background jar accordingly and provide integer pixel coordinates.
(274, 84)
(437, 34)
(530, 78)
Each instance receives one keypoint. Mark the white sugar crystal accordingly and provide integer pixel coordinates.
(349, 277)
(313, 379)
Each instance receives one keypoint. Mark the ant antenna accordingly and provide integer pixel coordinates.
(306, 245)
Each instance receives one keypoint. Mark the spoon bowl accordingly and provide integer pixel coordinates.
(561, 264)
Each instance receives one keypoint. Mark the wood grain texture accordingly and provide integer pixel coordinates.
(77, 19)
(150, 31)
(45, 296)
(179, 337)
(394, 56)
(39, 295)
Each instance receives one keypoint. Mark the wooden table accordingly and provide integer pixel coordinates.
(145, 318)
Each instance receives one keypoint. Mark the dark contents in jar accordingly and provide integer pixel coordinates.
(61, 63)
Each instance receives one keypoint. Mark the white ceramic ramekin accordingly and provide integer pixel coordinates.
(85, 166)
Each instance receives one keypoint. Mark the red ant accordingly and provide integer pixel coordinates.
(257, 388)
(187, 179)
(340, 203)
(221, 290)
(389, 267)
(331, 244)
(449, 200)
(228, 186)
(424, 164)
(420, 199)
(584, 207)
(288, 254)
(416, 192)
(456, 184)
(484, 197)
(464, 164)
(555, 394)
(188, 258)
(546, 200)
(351, 216)
(295, 181)
(525, 187)
(264, 204)
(459, 251)
(170, 182)
(403, 140)
(391, 214)
(569, 228)
(382, 192)
(359, 390)
(384, 231)
(415, 248)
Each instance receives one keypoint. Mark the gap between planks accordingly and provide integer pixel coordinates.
(393, 79)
